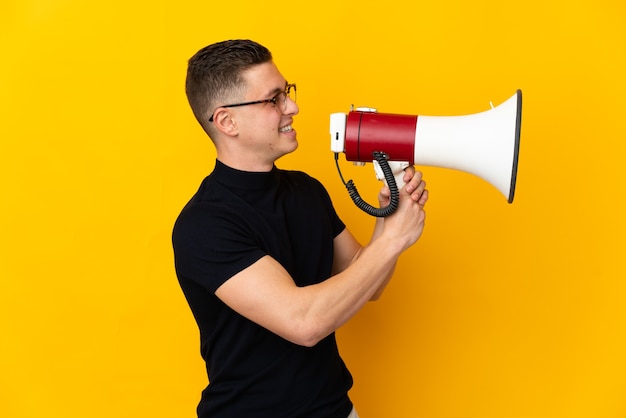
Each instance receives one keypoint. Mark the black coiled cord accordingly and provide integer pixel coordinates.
(381, 158)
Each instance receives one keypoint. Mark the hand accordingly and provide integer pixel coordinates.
(414, 185)
(407, 223)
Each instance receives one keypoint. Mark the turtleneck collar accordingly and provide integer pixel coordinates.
(249, 180)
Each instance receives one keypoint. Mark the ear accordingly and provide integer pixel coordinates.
(224, 122)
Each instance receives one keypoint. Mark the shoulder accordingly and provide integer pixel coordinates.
(210, 210)
(301, 179)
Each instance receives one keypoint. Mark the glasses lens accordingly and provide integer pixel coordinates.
(291, 92)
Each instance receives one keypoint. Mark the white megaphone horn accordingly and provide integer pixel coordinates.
(485, 144)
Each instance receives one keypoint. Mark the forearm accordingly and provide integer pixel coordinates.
(378, 228)
(333, 302)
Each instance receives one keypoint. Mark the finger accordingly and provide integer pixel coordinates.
(423, 198)
(409, 172)
(416, 195)
(385, 192)
(384, 196)
(413, 182)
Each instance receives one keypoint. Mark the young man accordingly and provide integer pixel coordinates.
(267, 267)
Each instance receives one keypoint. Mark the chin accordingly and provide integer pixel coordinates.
(292, 145)
(290, 150)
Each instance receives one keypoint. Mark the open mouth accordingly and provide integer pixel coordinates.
(284, 129)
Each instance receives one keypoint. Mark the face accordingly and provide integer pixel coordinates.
(265, 130)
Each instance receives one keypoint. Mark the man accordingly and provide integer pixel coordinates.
(267, 267)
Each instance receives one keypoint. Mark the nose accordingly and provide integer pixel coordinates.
(291, 107)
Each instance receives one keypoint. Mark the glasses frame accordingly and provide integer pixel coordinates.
(273, 100)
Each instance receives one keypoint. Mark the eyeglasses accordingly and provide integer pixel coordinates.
(280, 100)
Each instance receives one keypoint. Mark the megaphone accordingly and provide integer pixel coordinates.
(485, 144)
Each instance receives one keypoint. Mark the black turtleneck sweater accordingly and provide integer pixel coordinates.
(233, 220)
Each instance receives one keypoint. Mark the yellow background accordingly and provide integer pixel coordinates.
(499, 311)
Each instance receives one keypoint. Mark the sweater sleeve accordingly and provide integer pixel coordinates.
(212, 244)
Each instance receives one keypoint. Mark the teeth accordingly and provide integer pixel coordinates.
(285, 129)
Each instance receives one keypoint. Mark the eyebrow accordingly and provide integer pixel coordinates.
(278, 90)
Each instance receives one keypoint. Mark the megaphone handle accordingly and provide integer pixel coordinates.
(381, 158)
(397, 168)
